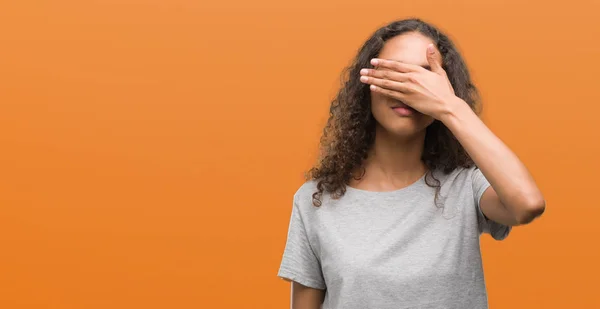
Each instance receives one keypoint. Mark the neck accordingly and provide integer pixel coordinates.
(393, 161)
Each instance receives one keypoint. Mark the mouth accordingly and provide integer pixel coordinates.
(403, 109)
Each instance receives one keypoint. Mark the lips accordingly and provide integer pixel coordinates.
(403, 109)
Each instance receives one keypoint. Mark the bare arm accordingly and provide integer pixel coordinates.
(304, 297)
(513, 197)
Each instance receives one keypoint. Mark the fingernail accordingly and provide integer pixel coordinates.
(430, 48)
(364, 78)
(364, 71)
(373, 87)
(374, 61)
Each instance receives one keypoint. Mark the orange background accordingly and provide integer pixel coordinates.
(150, 149)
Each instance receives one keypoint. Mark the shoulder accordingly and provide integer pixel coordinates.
(303, 198)
(460, 177)
(303, 205)
(306, 190)
(459, 173)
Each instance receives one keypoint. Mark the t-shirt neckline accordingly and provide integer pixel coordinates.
(411, 186)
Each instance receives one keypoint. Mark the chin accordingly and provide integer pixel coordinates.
(405, 127)
(400, 128)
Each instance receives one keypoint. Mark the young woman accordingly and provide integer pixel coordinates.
(408, 179)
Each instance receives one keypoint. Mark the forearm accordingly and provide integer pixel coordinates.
(508, 176)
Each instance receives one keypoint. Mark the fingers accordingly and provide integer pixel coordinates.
(387, 80)
(386, 74)
(384, 83)
(433, 56)
(395, 65)
(390, 93)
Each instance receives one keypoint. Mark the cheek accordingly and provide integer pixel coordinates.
(378, 105)
(377, 98)
(378, 101)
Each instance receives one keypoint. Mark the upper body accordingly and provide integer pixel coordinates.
(407, 180)
(393, 249)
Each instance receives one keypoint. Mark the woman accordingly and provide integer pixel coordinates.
(392, 213)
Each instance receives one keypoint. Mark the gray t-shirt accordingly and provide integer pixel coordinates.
(393, 250)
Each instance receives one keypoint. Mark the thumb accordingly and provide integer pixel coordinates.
(434, 63)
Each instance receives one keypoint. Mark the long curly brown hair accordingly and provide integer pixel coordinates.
(350, 130)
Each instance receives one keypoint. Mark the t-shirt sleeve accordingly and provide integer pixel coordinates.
(496, 230)
(300, 263)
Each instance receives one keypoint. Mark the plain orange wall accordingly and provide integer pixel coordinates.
(150, 149)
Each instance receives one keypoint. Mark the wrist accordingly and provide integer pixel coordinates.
(456, 112)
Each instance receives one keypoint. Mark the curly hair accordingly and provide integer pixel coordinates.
(350, 130)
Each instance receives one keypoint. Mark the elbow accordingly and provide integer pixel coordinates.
(531, 210)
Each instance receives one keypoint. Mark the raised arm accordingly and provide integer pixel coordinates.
(513, 197)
